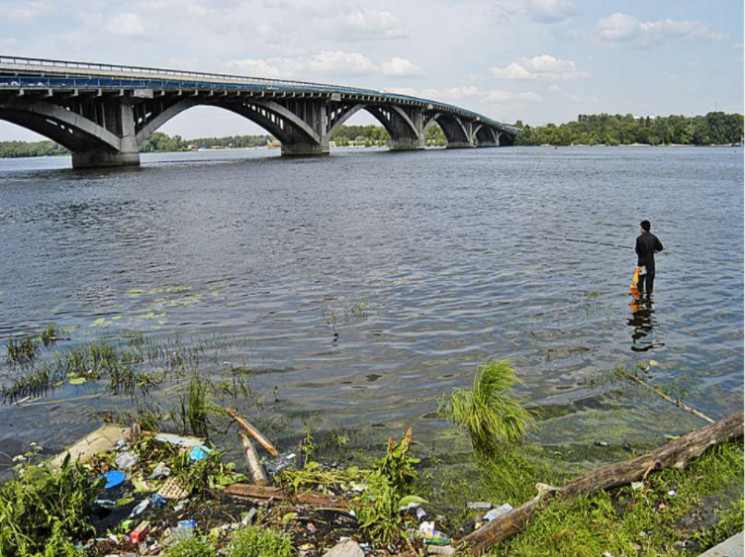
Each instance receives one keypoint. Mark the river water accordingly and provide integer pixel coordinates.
(362, 286)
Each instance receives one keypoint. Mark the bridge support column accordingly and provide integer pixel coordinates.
(314, 115)
(459, 145)
(305, 149)
(403, 140)
(119, 119)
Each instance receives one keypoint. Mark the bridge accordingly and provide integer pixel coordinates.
(102, 113)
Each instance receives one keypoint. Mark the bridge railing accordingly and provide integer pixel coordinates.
(92, 69)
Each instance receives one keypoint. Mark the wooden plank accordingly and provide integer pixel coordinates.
(264, 493)
(102, 440)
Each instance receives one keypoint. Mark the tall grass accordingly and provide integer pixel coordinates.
(193, 406)
(488, 411)
(21, 351)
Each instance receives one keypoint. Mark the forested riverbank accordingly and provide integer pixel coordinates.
(715, 128)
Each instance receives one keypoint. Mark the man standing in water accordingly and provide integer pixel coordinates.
(646, 246)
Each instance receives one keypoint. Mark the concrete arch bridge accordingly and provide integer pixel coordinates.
(103, 113)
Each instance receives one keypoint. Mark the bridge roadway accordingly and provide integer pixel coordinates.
(103, 113)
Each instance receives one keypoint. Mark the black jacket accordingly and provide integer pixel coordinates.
(646, 244)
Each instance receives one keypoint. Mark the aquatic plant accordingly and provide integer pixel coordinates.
(21, 351)
(35, 382)
(193, 407)
(50, 334)
(260, 542)
(488, 412)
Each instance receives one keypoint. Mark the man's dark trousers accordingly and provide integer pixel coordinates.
(648, 281)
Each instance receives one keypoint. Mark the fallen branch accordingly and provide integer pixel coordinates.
(661, 393)
(252, 460)
(252, 432)
(674, 454)
(262, 493)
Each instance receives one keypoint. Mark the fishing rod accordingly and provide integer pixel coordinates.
(594, 243)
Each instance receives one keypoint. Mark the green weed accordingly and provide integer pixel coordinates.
(50, 334)
(488, 412)
(377, 508)
(21, 351)
(42, 505)
(192, 547)
(259, 542)
(193, 407)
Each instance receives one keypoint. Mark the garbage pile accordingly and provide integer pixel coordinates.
(161, 494)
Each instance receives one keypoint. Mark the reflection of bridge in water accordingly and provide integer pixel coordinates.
(103, 113)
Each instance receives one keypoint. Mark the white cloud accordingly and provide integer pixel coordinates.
(564, 94)
(120, 25)
(625, 28)
(400, 67)
(325, 62)
(26, 11)
(540, 67)
(551, 11)
(469, 93)
(126, 25)
(365, 24)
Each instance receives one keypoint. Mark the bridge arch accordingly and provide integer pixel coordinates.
(405, 130)
(276, 119)
(69, 129)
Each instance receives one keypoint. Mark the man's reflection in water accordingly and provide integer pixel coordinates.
(643, 322)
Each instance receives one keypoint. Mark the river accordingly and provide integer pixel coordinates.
(361, 287)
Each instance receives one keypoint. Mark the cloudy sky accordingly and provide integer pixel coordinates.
(537, 61)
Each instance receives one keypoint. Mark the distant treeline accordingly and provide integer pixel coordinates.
(161, 142)
(47, 148)
(607, 129)
(373, 135)
(601, 129)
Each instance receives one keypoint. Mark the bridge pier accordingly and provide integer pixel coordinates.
(305, 149)
(407, 143)
(104, 159)
(118, 118)
(459, 145)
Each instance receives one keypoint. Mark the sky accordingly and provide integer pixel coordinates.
(537, 61)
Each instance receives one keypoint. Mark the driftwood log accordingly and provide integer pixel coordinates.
(263, 493)
(252, 432)
(252, 460)
(674, 454)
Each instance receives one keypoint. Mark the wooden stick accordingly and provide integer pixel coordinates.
(264, 493)
(674, 454)
(252, 432)
(252, 459)
(661, 393)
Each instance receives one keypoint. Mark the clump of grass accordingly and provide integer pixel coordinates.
(260, 542)
(21, 351)
(43, 507)
(35, 382)
(192, 547)
(193, 407)
(50, 334)
(488, 412)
